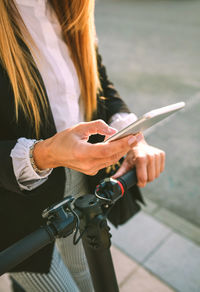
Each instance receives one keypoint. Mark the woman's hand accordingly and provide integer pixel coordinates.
(149, 162)
(70, 148)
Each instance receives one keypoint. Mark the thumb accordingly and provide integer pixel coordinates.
(96, 127)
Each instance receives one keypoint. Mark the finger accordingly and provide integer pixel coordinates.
(106, 150)
(124, 168)
(135, 139)
(162, 163)
(141, 170)
(108, 162)
(91, 164)
(157, 164)
(95, 127)
(151, 168)
(122, 145)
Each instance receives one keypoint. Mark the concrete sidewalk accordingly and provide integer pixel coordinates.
(152, 256)
(132, 276)
(169, 255)
(151, 50)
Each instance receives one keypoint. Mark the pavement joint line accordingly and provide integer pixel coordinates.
(170, 233)
(156, 210)
(161, 280)
(159, 208)
(135, 270)
(155, 249)
(130, 275)
(182, 61)
(141, 266)
(174, 229)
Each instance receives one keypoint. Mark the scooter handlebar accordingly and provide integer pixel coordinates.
(25, 248)
(128, 180)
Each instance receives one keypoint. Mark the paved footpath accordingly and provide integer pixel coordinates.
(151, 49)
(130, 275)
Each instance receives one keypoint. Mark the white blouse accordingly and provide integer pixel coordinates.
(61, 82)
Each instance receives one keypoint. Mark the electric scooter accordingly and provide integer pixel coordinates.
(86, 217)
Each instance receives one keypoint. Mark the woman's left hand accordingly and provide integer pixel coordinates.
(149, 162)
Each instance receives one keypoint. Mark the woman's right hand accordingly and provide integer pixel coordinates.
(70, 148)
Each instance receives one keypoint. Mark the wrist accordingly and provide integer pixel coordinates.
(42, 155)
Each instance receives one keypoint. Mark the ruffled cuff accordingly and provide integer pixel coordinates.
(121, 120)
(26, 177)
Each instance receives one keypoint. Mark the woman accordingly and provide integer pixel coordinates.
(54, 90)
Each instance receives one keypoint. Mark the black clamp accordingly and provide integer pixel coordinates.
(60, 218)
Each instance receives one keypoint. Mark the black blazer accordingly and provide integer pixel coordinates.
(20, 211)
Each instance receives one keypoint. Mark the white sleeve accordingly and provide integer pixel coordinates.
(121, 120)
(26, 177)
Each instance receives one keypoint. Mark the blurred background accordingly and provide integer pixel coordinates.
(152, 53)
(151, 49)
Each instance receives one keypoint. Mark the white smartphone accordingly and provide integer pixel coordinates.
(147, 120)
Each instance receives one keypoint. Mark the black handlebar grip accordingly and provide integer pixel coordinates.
(21, 250)
(129, 179)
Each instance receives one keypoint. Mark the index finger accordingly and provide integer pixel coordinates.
(106, 150)
(86, 129)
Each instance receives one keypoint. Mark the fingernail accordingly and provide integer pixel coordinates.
(111, 131)
(132, 140)
(139, 137)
